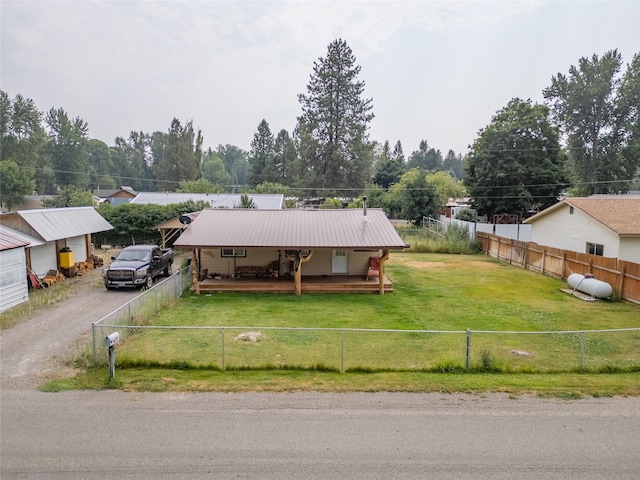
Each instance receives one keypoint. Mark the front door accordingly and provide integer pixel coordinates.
(339, 261)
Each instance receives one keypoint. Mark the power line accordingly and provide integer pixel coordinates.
(347, 189)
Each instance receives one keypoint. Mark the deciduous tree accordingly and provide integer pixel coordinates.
(516, 163)
(67, 148)
(214, 171)
(592, 110)
(181, 155)
(15, 183)
(445, 186)
(414, 196)
(202, 185)
(22, 136)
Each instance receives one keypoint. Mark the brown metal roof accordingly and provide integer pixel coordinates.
(619, 213)
(290, 229)
(8, 240)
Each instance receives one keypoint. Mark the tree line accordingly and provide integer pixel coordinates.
(584, 139)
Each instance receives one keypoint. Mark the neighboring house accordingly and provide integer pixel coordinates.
(454, 205)
(299, 244)
(13, 268)
(116, 197)
(608, 226)
(56, 228)
(215, 200)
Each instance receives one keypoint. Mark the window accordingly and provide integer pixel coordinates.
(595, 249)
(570, 210)
(234, 252)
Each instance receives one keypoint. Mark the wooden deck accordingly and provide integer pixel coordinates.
(324, 284)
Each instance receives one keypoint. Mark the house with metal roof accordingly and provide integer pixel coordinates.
(608, 226)
(214, 200)
(55, 229)
(115, 197)
(292, 250)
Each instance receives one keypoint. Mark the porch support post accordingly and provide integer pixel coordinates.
(88, 246)
(383, 259)
(194, 271)
(298, 260)
(299, 272)
(297, 278)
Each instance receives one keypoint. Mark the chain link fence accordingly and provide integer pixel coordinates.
(141, 309)
(343, 350)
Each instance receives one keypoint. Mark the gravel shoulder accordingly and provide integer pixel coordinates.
(39, 348)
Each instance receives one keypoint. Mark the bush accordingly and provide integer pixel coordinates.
(467, 214)
(454, 240)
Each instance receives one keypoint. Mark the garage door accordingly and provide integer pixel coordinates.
(78, 246)
(13, 278)
(43, 258)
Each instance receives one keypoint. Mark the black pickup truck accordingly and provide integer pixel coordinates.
(137, 266)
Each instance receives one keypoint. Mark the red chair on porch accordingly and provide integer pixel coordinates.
(374, 268)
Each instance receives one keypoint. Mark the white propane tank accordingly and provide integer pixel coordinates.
(588, 284)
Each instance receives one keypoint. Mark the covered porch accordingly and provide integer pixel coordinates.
(308, 284)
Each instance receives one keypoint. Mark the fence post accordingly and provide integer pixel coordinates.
(466, 365)
(582, 351)
(93, 338)
(342, 351)
(223, 366)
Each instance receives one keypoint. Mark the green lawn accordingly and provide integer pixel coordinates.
(431, 292)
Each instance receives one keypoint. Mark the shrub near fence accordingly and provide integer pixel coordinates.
(623, 276)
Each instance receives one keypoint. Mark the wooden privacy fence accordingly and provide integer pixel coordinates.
(623, 276)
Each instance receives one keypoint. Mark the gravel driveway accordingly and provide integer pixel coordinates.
(38, 348)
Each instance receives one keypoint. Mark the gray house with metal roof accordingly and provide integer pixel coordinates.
(279, 245)
(215, 200)
(56, 228)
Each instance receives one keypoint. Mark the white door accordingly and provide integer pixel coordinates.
(339, 261)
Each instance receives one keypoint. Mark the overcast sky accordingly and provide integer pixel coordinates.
(435, 70)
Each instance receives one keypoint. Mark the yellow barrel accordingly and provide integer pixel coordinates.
(66, 259)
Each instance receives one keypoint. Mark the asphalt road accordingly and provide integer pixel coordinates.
(120, 435)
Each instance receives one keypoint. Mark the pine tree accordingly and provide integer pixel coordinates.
(284, 157)
(333, 146)
(261, 156)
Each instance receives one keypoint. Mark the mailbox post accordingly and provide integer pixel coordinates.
(110, 341)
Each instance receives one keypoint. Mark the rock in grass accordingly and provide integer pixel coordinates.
(521, 353)
(250, 337)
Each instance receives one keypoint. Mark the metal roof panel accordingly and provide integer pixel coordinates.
(10, 238)
(57, 223)
(215, 200)
(290, 229)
